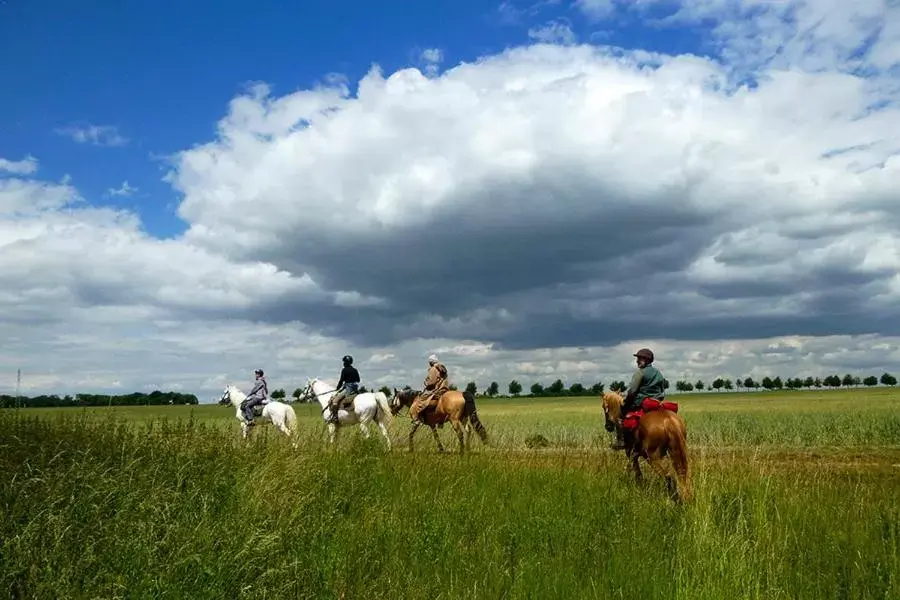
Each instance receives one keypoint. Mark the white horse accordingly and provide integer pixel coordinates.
(278, 413)
(367, 407)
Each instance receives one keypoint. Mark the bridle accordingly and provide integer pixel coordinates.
(309, 393)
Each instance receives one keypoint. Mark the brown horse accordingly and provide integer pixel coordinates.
(454, 406)
(659, 433)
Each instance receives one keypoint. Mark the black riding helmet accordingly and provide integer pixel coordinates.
(259, 372)
(348, 360)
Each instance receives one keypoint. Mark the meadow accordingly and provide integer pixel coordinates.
(797, 495)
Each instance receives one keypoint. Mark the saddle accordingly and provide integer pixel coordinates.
(632, 418)
(346, 401)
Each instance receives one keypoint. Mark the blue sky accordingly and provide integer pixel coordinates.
(761, 252)
(163, 72)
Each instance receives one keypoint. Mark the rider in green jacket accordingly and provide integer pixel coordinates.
(647, 382)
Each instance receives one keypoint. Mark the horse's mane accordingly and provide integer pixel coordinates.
(613, 397)
(408, 393)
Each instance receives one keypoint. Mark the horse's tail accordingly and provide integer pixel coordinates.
(472, 413)
(382, 409)
(679, 453)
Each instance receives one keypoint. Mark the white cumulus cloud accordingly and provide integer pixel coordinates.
(538, 213)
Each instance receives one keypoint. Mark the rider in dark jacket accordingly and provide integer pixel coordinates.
(348, 386)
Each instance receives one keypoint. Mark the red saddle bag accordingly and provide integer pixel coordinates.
(651, 404)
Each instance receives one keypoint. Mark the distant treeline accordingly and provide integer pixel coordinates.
(135, 399)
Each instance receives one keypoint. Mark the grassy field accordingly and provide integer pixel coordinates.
(797, 495)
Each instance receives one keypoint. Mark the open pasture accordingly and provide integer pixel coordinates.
(796, 496)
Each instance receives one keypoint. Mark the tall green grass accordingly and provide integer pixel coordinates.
(97, 506)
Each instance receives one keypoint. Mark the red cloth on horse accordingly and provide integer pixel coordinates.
(647, 405)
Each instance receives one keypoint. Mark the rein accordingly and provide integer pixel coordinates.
(315, 395)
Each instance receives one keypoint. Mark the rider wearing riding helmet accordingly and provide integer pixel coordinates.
(258, 395)
(647, 382)
(347, 385)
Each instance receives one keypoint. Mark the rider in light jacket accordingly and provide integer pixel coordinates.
(258, 395)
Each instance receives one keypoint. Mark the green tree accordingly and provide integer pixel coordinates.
(888, 379)
(515, 388)
(700, 385)
(296, 394)
(767, 383)
(718, 383)
(597, 389)
(537, 389)
(385, 390)
(684, 386)
(472, 388)
(870, 380)
(749, 383)
(493, 389)
(557, 388)
(576, 389)
(278, 394)
(727, 384)
(777, 382)
(847, 381)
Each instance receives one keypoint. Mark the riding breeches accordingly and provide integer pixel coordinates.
(248, 404)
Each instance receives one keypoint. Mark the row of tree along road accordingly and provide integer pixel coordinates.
(514, 388)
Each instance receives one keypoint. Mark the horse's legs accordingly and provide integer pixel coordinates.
(364, 428)
(459, 434)
(656, 462)
(332, 432)
(281, 424)
(412, 432)
(384, 432)
(437, 438)
(636, 468)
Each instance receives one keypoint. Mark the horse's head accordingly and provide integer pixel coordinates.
(402, 398)
(315, 390)
(307, 394)
(226, 395)
(612, 409)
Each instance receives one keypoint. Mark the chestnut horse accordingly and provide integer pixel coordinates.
(453, 405)
(659, 432)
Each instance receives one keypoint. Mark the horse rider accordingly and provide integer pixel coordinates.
(258, 395)
(348, 385)
(647, 382)
(435, 385)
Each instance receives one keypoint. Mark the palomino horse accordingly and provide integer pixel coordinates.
(454, 406)
(658, 432)
(278, 413)
(367, 407)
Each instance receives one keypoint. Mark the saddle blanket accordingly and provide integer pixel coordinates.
(632, 419)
